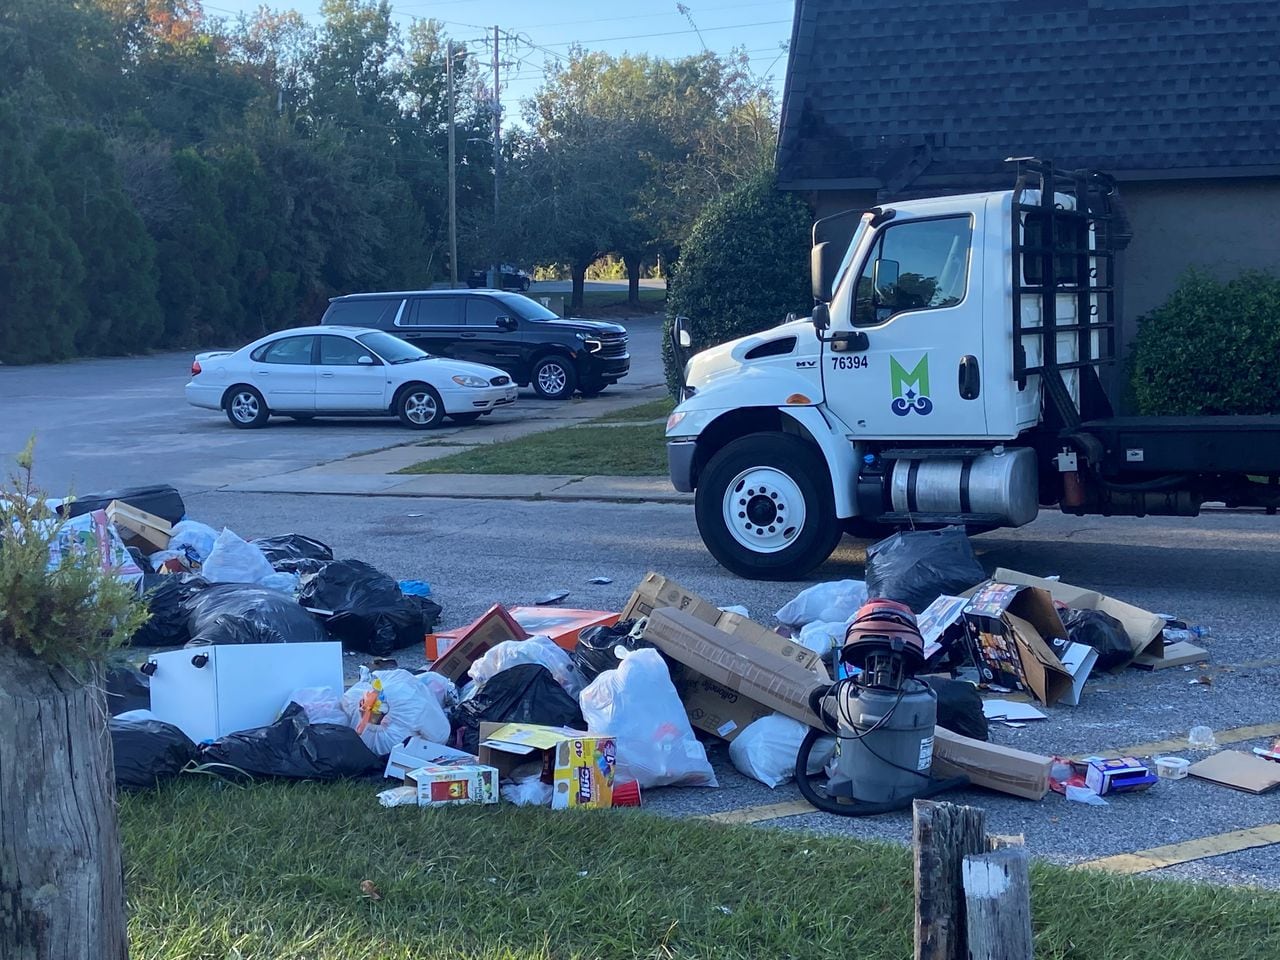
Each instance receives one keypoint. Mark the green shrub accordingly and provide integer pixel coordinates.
(744, 267)
(1211, 348)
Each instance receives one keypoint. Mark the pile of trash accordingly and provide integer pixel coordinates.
(585, 708)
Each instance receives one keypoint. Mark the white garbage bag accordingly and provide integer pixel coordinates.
(839, 600)
(442, 688)
(194, 538)
(821, 636)
(638, 706)
(233, 560)
(767, 749)
(320, 704)
(404, 708)
(542, 650)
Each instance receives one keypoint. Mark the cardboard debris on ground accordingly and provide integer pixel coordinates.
(579, 766)
(1015, 625)
(767, 679)
(1239, 770)
(417, 752)
(442, 785)
(140, 529)
(1174, 655)
(1011, 710)
(1015, 772)
(561, 624)
(493, 627)
(1118, 775)
(1144, 629)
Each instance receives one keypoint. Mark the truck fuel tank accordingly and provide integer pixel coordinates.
(1002, 483)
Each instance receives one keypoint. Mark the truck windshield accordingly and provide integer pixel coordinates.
(391, 349)
(525, 308)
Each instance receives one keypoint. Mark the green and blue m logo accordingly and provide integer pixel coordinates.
(910, 388)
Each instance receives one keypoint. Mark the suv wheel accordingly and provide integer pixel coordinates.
(554, 378)
(420, 407)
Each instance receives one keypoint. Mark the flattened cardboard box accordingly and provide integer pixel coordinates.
(493, 627)
(1015, 772)
(772, 681)
(1239, 770)
(561, 624)
(418, 752)
(1144, 629)
(1014, 625)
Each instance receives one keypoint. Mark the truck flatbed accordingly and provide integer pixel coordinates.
(1240, 444)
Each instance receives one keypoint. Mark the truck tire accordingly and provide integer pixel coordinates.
(554, 378)
(764, 507)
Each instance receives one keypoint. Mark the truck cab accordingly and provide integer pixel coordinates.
(952, 372)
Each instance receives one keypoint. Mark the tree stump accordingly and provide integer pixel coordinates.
(61, 877)
(944, 834)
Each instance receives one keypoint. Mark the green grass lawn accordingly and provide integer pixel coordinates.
(653, 410)
(274, 871)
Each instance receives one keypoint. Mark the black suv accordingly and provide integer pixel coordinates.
(509, 278)
(504, 330)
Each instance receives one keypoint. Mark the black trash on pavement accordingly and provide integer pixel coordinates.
(166, 596)
(916, 567)
(128, 688)
(292, 748)
(525, 693)
(364, 607)
(244, 613)
(1101, 631)
(594, 654)
(959, 707)
(148, 751)
(428, 609)
(160, 500)
(294, 553)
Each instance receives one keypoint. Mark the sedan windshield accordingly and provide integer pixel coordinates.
(391, 349)
(526, 308)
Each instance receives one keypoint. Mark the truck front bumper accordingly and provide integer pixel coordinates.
(680, 455)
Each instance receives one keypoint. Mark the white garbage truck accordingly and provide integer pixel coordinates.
(954, 371)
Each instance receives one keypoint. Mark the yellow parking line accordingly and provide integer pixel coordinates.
(1157, 858)
(1234, 735)
(767, 811)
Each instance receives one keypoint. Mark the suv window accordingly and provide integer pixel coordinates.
(341, 352)
(294, 350)
(483, 312)
(433, 312)
(362, 313)
(931, 258)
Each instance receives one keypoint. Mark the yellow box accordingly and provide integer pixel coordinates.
(578, 766)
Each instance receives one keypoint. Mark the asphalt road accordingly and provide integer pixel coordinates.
(1219, 570)
(102, 424)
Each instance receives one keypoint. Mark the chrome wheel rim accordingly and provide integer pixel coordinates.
(245, 407)
(420, 407)
(552, 378)
(764, 509)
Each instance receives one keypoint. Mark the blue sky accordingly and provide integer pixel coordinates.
(760, 27)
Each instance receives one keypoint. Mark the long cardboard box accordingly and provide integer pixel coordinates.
(1015, 772)
(753, 673)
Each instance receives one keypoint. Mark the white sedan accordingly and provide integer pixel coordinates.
(335, 371)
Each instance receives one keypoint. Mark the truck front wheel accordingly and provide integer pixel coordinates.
(764, 507)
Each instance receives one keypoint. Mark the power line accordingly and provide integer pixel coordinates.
(667, 33)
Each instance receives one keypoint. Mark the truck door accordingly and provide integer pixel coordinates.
(915, 294)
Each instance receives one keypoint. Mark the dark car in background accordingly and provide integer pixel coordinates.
(509, 278)
(505, 330)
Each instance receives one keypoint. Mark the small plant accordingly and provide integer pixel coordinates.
(1211, 348)
(67, 614)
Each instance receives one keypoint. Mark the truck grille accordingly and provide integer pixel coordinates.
(613, 345)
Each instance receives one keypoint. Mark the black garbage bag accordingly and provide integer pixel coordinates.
(428, 609)
(959, 707)
(294, 553)
(166, 596)
(525, 693)
(294, 748)
(916, 567)
(148, 751)
(128, 688)
(160, 500)
(366, 609)
(593, 654)
(244, 613)
(1101, 631)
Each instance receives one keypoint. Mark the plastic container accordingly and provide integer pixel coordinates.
(1201, 738)
(1172, 768)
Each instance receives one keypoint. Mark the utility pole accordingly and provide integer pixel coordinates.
(453, 177)
(496, 278)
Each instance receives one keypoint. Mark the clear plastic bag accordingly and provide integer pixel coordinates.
(834, 601)
(234, 560)
(386, 707)
(638, 705)
(767, 749)
(527, 792)
(540, 650)
(822, 636)
(442, 688)
(321, 704)
(192, 540)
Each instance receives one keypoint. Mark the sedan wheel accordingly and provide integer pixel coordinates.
(420, 408)
(246, 409)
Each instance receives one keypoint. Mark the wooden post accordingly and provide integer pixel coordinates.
(944, 834)
(997, 890)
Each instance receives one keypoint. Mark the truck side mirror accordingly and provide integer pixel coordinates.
(821, 317)
(824, 263)
(682, 335)
(884, 279)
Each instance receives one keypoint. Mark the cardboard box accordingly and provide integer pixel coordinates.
(1239, 770)
(766, 678)
(493, 627)
(561, 624)
(937, 621)
(417, 752)
(579, 766)
(1014, 626)
(712, 707)
(443, 785)
(1078, 659)
(1145, 630)
(656, 591)
(1173, 655)
(1015, 772)
(1118, 775)
(137, 528)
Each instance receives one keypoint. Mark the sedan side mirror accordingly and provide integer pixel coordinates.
(365, 360)
(508, 324)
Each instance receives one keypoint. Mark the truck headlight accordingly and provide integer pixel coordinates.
(466, 380)
(591, 343)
